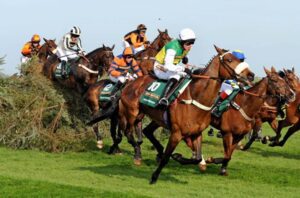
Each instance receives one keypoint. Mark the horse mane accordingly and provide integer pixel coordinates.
(202, 70)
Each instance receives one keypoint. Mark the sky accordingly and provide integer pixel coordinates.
(267, 31)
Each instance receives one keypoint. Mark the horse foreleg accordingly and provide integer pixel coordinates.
(172, 143)
(253, 136)
(98, 136)
(134, 144)
(138, 131)
(149, 133)
(290, 132)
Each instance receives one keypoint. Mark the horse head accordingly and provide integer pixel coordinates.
(278, 87)
(292, 79)
(232, 67)
(51, 46)
(161, 40)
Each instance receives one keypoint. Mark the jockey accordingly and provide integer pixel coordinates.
(167, 65)
(122, 67)
(31, 48)
(137, 39)
(69, 48)
(229, 85)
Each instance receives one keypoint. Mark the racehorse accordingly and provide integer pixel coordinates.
(195, 102)
(238, 120)
(145, 58)
(84, 71)
(292, 112)
(268, 112)
(47, 49)
(92, 99)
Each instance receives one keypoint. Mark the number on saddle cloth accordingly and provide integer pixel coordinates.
(107, 91)
(155, 90)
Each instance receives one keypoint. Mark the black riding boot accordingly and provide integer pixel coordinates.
(164, 100)
(63, 69)
(114, 93)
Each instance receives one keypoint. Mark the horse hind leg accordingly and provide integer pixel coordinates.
(281, 125)
(290, 132)
(117, 138)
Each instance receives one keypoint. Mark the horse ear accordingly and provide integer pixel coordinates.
(45, 40)
(219, 50)
(293, 70)
(113, 47)
(285, 71)
(54, 39)
(166, 31)
(268, 72)
(273, 69)
(103, 45)
(159, 31)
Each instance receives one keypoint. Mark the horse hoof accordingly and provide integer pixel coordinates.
(137, 162)
(265, 140)
(223, 172)
(202, 167)
(209, 160)
(100, 144)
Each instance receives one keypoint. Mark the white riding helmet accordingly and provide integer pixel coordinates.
(187, 34)
(75, 31)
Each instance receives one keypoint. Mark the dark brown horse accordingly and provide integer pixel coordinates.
(269, 111)
(146, 58)
(195, 102)
(238, 120)
(85, 70)
(47, 49)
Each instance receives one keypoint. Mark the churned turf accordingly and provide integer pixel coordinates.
(260, 172)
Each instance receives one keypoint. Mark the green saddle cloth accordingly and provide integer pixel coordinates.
(154, 92)
(107, 91)
(57, 72)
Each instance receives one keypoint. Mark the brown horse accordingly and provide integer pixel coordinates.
(238, 120)
(195, 102)
(92, 99)
(85, 70)
(269, 111)
(146, 58)
(46, 50)
(292, 112)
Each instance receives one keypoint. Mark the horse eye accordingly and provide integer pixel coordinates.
(229, 60)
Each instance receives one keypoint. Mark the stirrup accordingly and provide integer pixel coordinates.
(164, 101)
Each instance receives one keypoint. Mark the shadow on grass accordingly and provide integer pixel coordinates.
(268, 153)
(128, 171)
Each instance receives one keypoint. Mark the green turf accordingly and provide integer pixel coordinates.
(260, 172)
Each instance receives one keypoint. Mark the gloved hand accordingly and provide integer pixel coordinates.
(188, 71)
(182, 74)
(185, 60)
(135, 76)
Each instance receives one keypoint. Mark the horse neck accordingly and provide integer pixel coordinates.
(251, 103)
(95, 58)
(207, 89)
(43, 52)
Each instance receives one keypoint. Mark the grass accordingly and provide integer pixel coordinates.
(260, 172)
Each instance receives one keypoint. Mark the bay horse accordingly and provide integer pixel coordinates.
(85, 70)
(47, 49)
(292, 112)
(146, 58)
(238, 120)
(92, 99)
(268, 112)
(195, 102)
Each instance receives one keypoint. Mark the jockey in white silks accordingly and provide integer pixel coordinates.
(69, 48)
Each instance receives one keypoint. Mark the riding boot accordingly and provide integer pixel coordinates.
(114, 95)
(164, 100)
(63, 69)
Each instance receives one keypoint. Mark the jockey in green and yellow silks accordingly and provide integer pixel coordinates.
(167, 65)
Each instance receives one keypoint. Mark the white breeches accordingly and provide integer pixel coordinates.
(166, 75)
(135, 50)
(65, 55)
(24, 59)
(122, 79)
